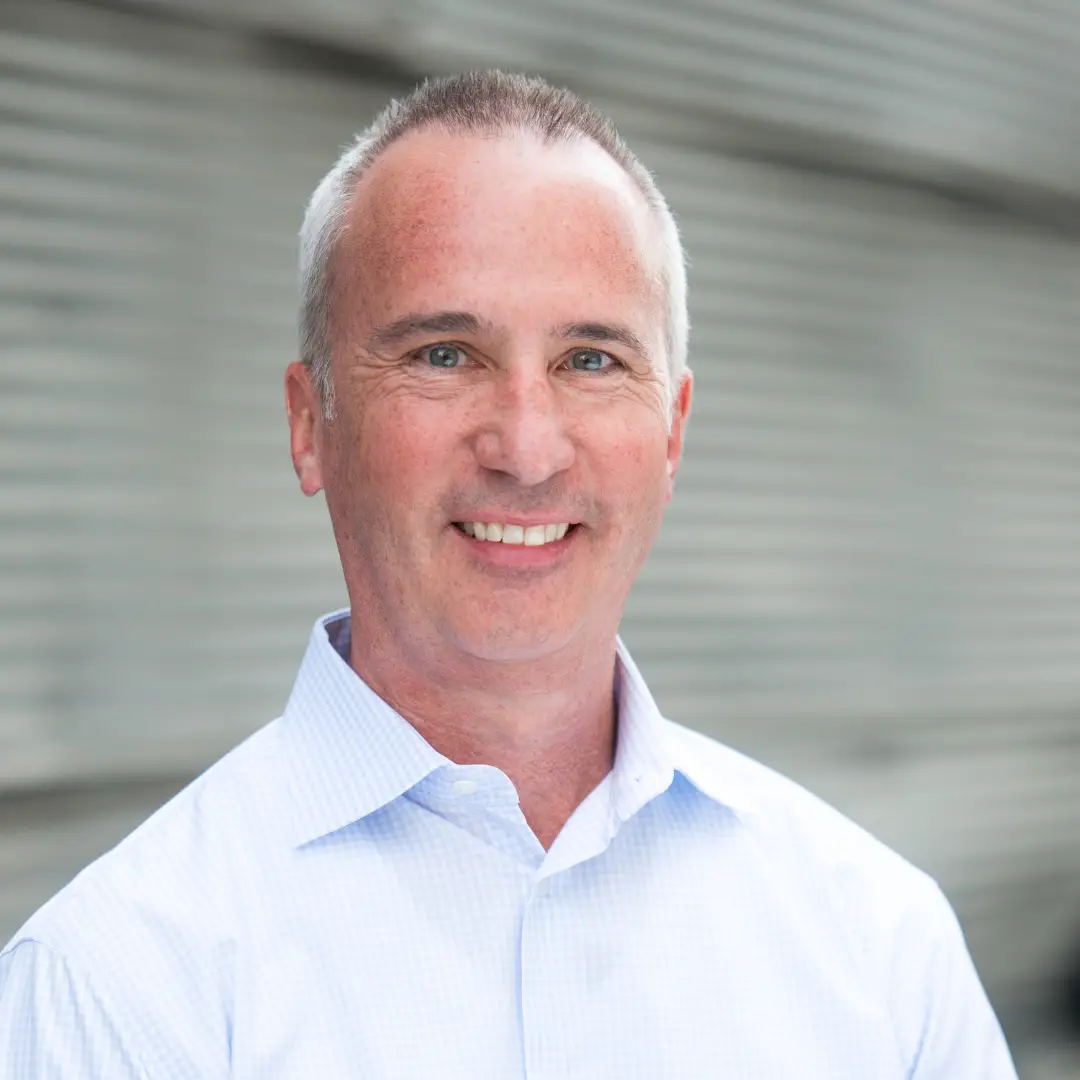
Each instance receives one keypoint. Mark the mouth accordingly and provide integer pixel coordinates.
(516, 535)
(512, 535)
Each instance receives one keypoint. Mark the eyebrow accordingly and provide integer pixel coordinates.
(439, 322)
(601, 332)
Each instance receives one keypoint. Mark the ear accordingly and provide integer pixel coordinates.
(304, 409)
(680, 416)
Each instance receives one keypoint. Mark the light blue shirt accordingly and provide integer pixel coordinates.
(334, 898)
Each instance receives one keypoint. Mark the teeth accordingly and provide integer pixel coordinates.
(533, 536)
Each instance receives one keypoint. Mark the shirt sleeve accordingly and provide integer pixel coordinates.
(961, 1036)
(53, 1026)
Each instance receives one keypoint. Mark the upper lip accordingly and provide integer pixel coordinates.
(489, 517)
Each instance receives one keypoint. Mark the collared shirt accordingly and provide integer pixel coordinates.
(334, 898)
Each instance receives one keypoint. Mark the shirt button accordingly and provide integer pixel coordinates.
(464, 787)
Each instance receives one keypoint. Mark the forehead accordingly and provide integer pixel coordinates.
(446, 208)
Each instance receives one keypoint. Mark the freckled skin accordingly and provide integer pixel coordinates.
(512, 667)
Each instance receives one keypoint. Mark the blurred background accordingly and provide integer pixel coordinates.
(870, 574)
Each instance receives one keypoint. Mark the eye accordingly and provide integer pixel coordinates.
(592, 360)
(443, 356)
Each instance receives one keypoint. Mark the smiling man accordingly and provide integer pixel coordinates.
(472, 846)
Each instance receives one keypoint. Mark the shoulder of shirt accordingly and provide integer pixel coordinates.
(176, 872)
(864, 900)
(797, 825)
(146, 931)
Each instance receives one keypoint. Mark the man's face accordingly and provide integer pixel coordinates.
(499, 358)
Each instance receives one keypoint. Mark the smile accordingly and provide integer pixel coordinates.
(526, 535)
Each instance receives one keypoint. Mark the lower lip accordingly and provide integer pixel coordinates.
(496, 553)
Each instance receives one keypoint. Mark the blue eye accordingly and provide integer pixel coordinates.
(443, 356)
(590, 360)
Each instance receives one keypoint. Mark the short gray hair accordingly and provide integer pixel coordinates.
(490, 102)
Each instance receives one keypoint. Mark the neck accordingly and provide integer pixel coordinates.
(551, 728)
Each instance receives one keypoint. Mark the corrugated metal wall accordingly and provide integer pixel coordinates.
(157, 564)
(870, 575)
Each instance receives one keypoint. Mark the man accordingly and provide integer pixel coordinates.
(472, 847)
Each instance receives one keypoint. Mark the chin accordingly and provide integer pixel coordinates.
(511, 644)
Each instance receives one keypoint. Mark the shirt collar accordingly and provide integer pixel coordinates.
(348, 753)
(643, 763)
(651, 750)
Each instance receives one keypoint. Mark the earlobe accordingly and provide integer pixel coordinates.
(304, 413)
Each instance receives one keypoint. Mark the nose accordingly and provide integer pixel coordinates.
(524, 435)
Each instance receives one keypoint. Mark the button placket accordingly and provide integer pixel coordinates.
(541, 971)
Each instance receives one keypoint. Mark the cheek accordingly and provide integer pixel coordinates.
(634, 476)
(394, 447)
